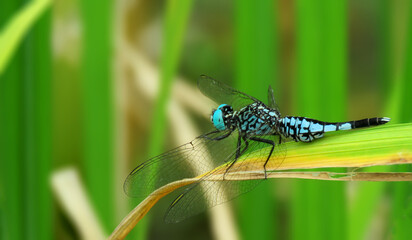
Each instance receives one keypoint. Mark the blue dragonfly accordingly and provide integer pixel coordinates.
(243, 127)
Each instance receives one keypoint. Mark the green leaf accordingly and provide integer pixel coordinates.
(15, 30)
(386, 145)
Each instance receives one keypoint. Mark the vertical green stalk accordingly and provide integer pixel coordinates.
(332, 201)
(334, 52)
(308, 48)
(177, 13)
(402, 195)
(386, 58)
(368, 195)
(256, 69)
(37, 130)
(305, 224)
(176, 18)
(406, 102)
(11, 200)
(321, 93)
(25, 141)
(98, 107)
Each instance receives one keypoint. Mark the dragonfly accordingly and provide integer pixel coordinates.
(243, 126)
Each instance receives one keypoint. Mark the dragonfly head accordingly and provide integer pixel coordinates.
(221, 117)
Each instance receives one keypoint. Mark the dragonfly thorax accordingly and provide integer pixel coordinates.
(257, 119)
(222, 117)
(254, 119)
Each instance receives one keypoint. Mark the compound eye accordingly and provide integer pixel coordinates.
(226, 109)
(217, 119)
(221, 106)
(211, 116)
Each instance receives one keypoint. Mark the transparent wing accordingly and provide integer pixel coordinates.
(271, 100)
(189, 160)
(221, 93)
(209, 192)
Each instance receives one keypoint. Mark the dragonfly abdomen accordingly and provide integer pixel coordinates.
(306, 129)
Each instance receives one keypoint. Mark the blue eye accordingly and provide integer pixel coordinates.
(211, 116)
(217, 119)
(221, 106)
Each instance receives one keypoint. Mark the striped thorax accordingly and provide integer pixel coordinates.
(254, 119)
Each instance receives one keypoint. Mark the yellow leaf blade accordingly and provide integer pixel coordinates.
(385, 145)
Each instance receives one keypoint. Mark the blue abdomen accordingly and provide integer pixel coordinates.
(301, 129)
(306, 129)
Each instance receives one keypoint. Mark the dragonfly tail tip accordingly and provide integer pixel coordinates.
(385, 119)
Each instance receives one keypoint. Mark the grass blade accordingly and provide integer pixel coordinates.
(321, 93)
(98, 107)
(37, 88)
(13, 33)
(256, 61)
(26, 142)
(394, 147)
(402, 194)
(11, 202)
(176, 18)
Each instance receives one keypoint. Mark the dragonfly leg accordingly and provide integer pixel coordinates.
(239, 143)
(238, 153)
(246, 146)
(217, 138)
(271, 150)
(209, 133)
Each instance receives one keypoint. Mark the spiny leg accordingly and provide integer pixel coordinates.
(245, 148)
(238, 153)
(271, 150)
(239, 143)
(219, 137)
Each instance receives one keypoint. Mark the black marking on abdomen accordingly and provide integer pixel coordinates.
(369, 122)
(306, 129)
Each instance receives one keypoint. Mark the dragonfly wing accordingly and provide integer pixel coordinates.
(259, 155)
(271, 99)
(189, 160)
(209, 192)
(221, 93)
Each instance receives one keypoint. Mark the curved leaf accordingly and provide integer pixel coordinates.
(386, 145)
(14, 31)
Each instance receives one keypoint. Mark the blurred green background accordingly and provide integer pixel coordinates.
(96, 87)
